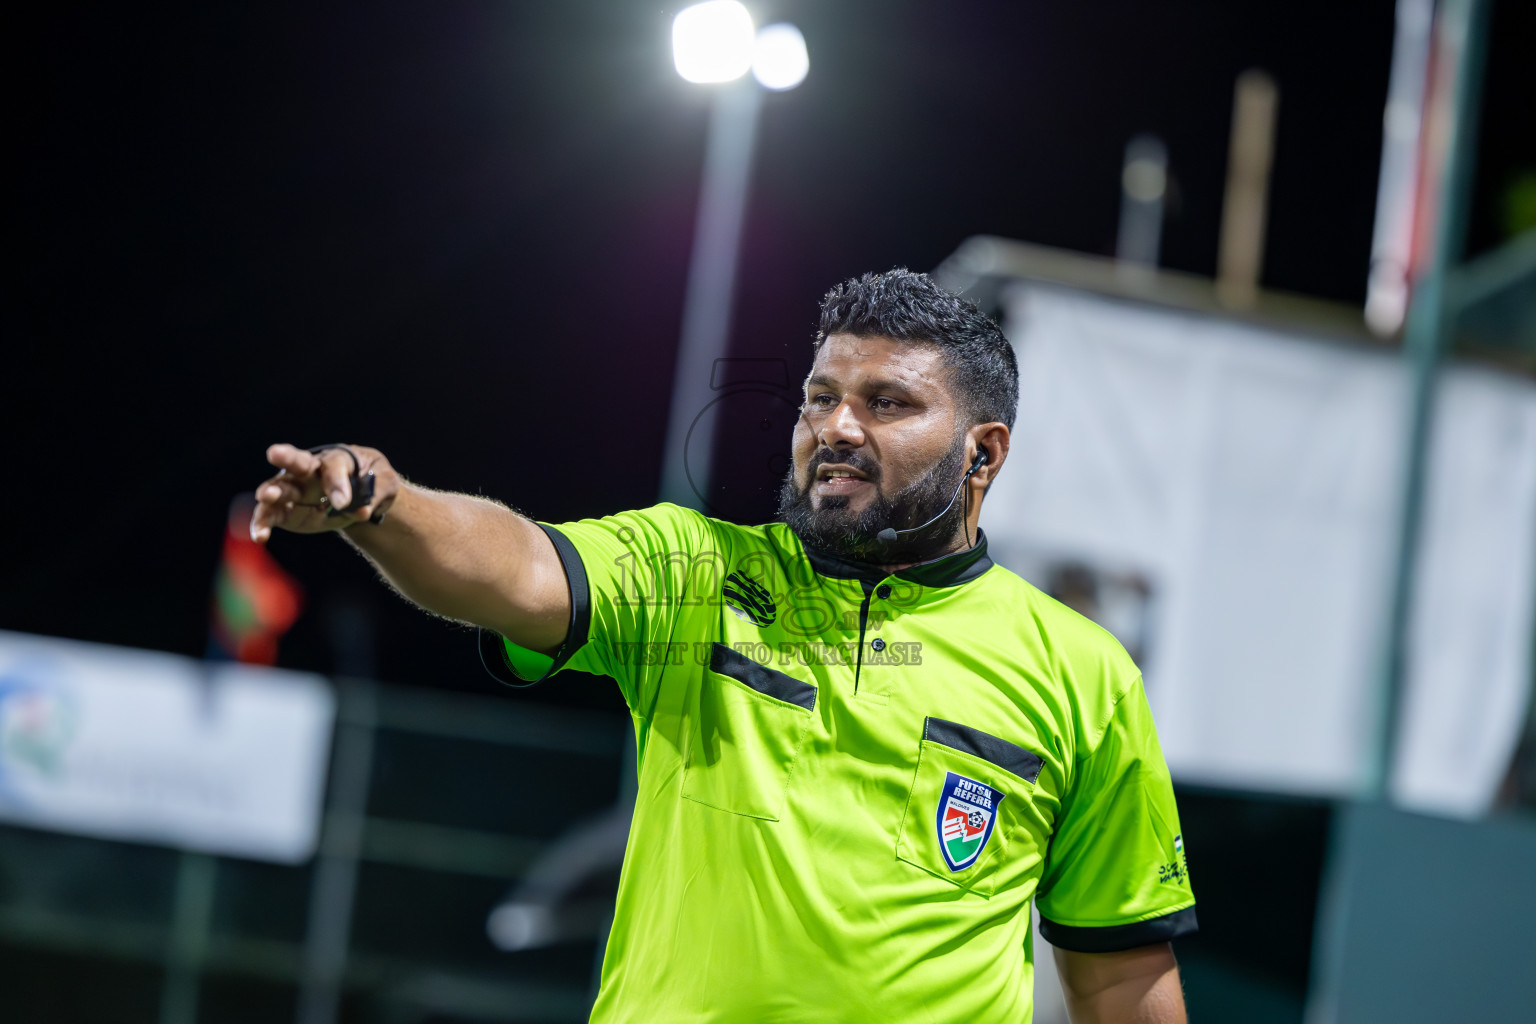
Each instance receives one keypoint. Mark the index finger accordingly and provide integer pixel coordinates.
(295, 461)
(334, 476)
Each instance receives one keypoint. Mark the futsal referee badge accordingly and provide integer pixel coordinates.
(967, 812)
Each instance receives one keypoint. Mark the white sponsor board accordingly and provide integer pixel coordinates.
(1231, 493)
(127, 744)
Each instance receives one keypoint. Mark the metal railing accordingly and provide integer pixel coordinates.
(327, 962)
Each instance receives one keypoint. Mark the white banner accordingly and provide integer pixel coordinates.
(127, 744)
(1225, 499)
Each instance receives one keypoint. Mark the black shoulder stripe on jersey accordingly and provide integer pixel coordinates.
(761, 678)
(1113, 938)
(1010, 757)
(493, 653)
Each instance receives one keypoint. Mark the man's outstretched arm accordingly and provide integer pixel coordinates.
(1135, 986)
(456, 555)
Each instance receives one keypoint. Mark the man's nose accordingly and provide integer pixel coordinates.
(841, 428)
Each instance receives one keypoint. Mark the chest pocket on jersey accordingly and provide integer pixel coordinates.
(746, 735)
(971, 794)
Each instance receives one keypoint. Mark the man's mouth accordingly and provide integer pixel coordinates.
(839, 480)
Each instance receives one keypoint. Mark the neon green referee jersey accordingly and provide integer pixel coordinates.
(853, 782)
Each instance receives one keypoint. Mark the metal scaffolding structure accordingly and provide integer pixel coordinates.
(325, 963)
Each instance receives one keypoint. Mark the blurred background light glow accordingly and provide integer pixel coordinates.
(1144, 179)
(780, 60)
(713, 42)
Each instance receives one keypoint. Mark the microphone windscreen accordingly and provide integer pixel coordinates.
(886, 535)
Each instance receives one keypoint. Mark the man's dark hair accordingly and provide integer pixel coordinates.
(912, 307)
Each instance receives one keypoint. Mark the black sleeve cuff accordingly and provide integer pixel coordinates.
(493, 651)
(1116, 937)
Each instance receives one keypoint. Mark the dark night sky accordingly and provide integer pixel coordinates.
(459, 232)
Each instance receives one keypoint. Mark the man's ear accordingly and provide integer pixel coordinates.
(991, 438)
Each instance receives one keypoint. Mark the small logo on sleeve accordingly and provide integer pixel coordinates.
(749, 599)
(1176, 870)
(967, 814)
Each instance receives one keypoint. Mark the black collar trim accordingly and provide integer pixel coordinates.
(946, 571)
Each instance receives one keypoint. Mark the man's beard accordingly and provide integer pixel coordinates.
(836, 529)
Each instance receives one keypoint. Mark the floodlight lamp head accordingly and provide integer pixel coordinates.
(713, 41)
(780, 60)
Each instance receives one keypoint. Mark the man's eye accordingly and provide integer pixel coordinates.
(883, 404)
(821, 401)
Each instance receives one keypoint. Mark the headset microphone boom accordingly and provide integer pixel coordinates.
(887, 535)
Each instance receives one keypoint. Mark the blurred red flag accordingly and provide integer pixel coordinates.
(254, 600)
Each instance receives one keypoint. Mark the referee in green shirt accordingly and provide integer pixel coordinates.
(864, 747)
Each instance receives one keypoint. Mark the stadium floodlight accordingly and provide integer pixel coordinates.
(717, 42)
(713, 41)
(779, 60)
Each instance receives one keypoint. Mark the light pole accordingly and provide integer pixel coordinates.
(716, 44)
